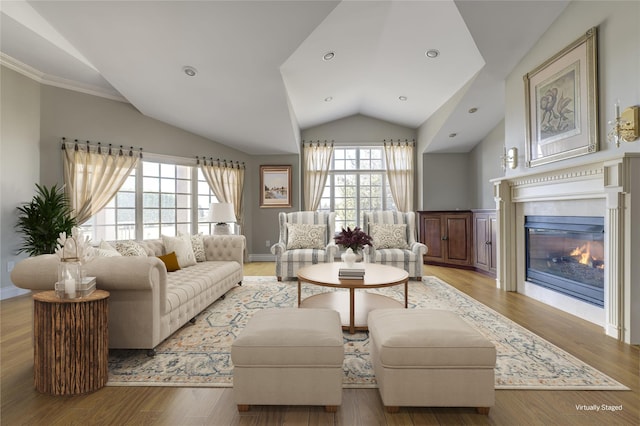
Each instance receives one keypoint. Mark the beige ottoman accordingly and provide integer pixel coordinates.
(430, 358)
(289, 356)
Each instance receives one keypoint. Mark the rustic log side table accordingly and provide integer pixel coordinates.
(71, 343)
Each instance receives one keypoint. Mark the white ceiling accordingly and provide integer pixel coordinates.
(260, 72)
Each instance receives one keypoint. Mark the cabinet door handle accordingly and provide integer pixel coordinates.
(488, 242)
(445, 238)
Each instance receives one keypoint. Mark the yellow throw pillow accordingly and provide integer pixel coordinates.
(170, 261)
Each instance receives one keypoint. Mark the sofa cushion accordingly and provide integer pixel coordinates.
(185, 285)
(181, 245)
(306, 236)
(170, 261)
(290, 337)
(428, 338)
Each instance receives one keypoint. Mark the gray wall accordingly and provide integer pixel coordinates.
(265, 220)
(358, 129)
(484, 161)
(19, 159)
(445, 182)
(619, 71)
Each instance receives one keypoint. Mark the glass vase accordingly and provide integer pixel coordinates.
(69, 279)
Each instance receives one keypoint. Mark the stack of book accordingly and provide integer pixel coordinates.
(354, 273)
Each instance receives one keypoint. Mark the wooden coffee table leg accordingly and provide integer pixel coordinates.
(299, 288)
(406, 294)
(352, 311)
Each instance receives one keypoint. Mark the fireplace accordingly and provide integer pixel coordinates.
(566, 254)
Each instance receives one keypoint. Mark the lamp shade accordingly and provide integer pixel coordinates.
(221, 213)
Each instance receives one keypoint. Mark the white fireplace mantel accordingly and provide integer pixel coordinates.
(609, 188)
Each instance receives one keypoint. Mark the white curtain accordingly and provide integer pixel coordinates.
(317, 160)
(226, 180)
(400, 173)
(93, 174)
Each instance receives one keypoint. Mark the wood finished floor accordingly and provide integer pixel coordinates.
(21, 404)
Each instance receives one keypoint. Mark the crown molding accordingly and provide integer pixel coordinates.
(63, 83)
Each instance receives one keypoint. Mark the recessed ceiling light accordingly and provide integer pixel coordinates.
(472, 110)
(432, 53)
(328, 99)
(328, 56)
(402, 98)
(190, 71)
(453, 135)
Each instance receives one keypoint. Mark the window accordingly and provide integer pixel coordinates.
(357, 182)
(117, 221)
(158, 198)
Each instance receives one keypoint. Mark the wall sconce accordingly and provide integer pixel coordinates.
(509, 158)
(625, 125)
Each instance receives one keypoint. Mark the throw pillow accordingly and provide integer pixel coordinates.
(387, 235)
(197, 244)
(170, 261)
(106, 250)
(130, 248)
(182, 246)
(106, 253)
(306, 236)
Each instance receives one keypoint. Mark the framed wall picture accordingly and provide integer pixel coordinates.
(561, 104)
(275, 186)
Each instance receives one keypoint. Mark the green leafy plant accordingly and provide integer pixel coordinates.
(43, 219)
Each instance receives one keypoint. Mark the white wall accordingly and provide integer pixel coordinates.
(19, 163)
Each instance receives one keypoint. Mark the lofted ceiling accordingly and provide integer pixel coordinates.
(261, 75)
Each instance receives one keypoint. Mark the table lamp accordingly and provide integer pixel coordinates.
(221, 214)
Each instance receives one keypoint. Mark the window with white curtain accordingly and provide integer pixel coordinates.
(357, 183)
(160, 197)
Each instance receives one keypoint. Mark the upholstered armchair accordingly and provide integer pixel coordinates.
(394, 241)
(306, 238)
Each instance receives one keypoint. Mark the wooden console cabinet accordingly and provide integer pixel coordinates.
(448, 236)
(484, 229)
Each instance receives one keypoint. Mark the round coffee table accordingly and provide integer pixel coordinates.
(353, 307)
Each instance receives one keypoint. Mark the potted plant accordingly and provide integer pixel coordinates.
(353, 240)
(43, 219)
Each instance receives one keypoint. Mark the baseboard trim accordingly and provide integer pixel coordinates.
(262, 258)
(9, 292)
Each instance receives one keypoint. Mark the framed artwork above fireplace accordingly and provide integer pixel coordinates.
(561, 104)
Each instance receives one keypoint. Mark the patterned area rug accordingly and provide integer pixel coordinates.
(199, 354)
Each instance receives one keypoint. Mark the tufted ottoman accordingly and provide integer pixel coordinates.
(289, 356)
(430, 358)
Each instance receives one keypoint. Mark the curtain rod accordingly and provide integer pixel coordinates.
(98, 145)
(359, 142)
(219, 161)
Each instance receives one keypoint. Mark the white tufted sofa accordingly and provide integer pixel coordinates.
(147, 304)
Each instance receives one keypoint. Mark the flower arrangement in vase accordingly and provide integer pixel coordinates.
(353, 240)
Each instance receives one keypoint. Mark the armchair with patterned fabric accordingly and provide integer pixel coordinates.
(394, 241)
(306, 238)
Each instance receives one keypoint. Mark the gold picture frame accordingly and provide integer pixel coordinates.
(275, 186)
(561, 103)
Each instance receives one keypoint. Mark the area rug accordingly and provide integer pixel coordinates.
(198, 355)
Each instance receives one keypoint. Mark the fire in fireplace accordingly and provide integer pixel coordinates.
(566, 254)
